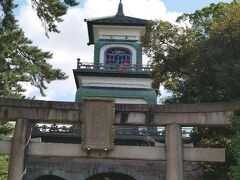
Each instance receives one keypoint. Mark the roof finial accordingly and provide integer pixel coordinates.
(120, 9)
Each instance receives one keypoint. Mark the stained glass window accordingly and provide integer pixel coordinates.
(118, 56)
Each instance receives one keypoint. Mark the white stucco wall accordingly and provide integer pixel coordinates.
(116, 82)
(129, 101)
(118, 32)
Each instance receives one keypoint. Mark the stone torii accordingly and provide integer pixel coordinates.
(26, 112)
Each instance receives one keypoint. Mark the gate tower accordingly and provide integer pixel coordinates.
(117, 71)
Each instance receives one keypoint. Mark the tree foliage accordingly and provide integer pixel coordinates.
(20, 61)
(51, 11)
(4, 167)
(200, 63)
(235, 169)
(6, 129)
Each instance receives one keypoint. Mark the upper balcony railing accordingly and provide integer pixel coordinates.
(121, 68)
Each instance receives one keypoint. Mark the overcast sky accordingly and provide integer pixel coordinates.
(71, 43)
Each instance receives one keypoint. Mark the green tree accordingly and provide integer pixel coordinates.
(51, 11)
(200, 63)
(20, 61)
(4, 167)
(5, 129)
(235, 170)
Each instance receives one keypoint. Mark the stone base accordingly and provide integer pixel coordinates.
(82, 168)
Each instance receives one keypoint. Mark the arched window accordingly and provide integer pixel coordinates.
(110, 176)
(49, 177)
(118, 56)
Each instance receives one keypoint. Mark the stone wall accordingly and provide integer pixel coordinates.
(82, 168)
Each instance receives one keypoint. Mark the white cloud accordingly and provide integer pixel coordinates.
(71, 43)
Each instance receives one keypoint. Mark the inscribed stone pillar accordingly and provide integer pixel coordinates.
(174, 152)
(21, 137)
(98, 120)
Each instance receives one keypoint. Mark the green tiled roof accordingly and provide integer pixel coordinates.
(148, 95)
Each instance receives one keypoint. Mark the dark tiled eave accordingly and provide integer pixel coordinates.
(122, 20)
(117, 20)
